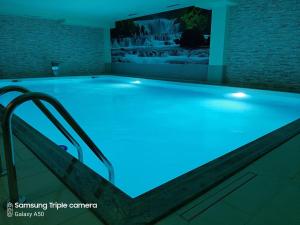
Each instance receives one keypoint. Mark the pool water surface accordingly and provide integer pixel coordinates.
(154, 131)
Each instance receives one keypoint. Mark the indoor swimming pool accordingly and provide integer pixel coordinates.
(154, 131)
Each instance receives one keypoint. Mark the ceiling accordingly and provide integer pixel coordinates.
(96, 13)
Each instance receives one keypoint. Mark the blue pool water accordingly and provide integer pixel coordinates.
(154, 131)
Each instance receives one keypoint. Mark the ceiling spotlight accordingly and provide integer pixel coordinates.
(171, 6)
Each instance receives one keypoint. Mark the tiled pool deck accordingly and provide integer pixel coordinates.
(267, 192)
(271, 197)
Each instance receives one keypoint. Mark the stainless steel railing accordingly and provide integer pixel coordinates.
(49, 115)
(8, 143)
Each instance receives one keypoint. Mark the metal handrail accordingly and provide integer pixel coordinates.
(49, 115)
(7, 137)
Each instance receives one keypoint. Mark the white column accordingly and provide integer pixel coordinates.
(217, 43)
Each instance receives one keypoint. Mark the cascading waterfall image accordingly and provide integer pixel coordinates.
(173, 37)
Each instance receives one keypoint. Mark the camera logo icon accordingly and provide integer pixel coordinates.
(9, 209)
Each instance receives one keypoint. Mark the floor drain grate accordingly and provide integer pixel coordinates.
(216, 197)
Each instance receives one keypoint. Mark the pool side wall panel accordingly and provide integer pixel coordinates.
(176, 72)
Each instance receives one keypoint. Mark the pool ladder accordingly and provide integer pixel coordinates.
(36, 97)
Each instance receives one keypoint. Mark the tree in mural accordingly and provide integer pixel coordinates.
(194, 18)
(195, 24)
(125, 28)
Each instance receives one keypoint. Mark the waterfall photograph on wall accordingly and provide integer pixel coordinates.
(179, 36)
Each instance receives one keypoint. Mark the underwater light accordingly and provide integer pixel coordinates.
(136, 82)
(239, 95)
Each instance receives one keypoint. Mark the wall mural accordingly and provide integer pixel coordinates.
(174, 37)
